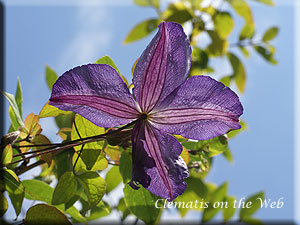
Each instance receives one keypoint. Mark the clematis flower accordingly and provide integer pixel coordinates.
(165, 101)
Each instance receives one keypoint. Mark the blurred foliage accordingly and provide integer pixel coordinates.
(85, 183)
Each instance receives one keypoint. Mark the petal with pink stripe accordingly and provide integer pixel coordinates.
(96, 92)
(157, 164)
(201, 108)
(163, 66)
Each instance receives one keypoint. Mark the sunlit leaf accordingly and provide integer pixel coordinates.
(185, 155)
(218, 47)
(3, 204)
(65, 189)
(247, 31)
(14, 106)
(216, 196)
(65, 133)
(226, 80)
(267, 2)
(107, 60)
(245, 51)
(63, 162)
(51, 77)
(113, 152)
(51, 111)
(102, 209)
(42, 213)
(233, 133)
(228, 211)
(91, 151)
(123, 208)
(14, 188)
(141, 30)
(242, 8)
(37, 190)
(265, 53)
(19, 97)
(93, 185)
(270, 34)
(7, 155)
(255, 202)
(100, 164)
(239, 73)
(32, 125)
(39, 140)
(141, 203)
(145, 3)
(218, 146)
(113, 178)
(40, 191)
(177, 12)
(224, 24)
(125, 167)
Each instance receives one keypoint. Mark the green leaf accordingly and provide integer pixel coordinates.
(19, 97)
(254, 202)
(253, 221)
(101, 210)
(180, 16)
(239, 73)
(125, 167)
(226, 80)
(93, 185)
(242, 8)
(218, 47)
(218, 146)
(267, 2)
(14, 188)
(62, 162)
(3, 204)
(91, 151)
(45, 214)
(51, 77)
(107, 60)
(233, 133)
(228, 211)
(65, 121)
(65, 189)
(52, 111)
(113, 178)
(146, 3)
(245, 51)
(7, 155)
(224, 24)
(13, 119)
(141, 30)
(123, 208)
(100, 164)
(216, 196)
(270, 34)
(266, 54)
(142, 204)
(37, 190)
(247, 32)
(12, 101)
(40, 191)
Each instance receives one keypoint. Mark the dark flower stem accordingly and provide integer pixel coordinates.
(66, 145)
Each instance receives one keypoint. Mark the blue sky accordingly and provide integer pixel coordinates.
(64, 35)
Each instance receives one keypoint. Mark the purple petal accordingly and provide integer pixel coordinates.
(201, 108)
(157, 164)
(162, 67)
(96, 92)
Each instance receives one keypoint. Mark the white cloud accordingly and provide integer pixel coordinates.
(91, 40)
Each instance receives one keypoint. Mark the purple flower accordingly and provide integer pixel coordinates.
(198, 108)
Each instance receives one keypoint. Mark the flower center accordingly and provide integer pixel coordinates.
(143, 116)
